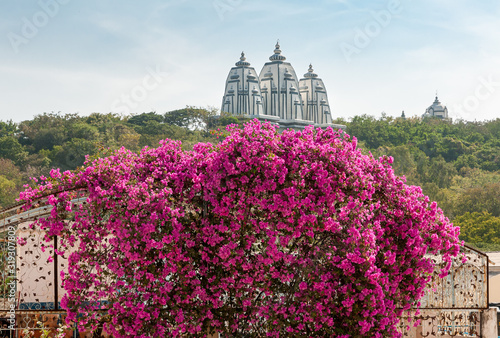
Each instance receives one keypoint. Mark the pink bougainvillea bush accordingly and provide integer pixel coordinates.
(295, 234)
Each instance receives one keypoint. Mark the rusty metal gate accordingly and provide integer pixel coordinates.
(453, 306)
(30, 286)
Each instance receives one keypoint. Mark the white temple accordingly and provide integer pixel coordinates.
(436, 110)
(314, 98)
(277, 95)
(242, 90)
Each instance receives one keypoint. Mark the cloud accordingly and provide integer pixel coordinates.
(95, 52)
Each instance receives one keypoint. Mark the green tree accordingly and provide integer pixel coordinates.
(83, 130)
(11, 149)
(72, 153)
(180, 117)
(478, 227)
(144, 118)
(7, 191)
(191, 117)
(46, 130)
(467, 161)
(110, 127)
(441, 172)
(8, 128)
(478, 199)
(12, 181)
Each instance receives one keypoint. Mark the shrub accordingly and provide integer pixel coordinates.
(294, 234)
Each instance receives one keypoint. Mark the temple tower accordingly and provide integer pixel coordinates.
(242, 94)
(313, 92)
(280, 89)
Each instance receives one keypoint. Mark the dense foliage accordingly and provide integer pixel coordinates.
(456, 163)
(295, 234)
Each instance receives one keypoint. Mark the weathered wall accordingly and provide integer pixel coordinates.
(494, 287)
(34, 270)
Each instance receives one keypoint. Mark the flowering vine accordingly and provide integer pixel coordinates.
(292, 234)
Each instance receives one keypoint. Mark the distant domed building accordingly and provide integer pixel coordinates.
(277, 95)
(436, 110)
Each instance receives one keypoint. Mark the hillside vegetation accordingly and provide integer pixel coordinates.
(456, 163)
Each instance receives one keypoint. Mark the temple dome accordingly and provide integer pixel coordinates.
(436, 110)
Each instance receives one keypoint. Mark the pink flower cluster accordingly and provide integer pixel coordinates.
(295, 234)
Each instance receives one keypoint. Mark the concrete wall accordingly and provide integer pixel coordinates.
(494, 287)
(489, 326)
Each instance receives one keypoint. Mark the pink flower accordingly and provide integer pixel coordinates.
(172, 243)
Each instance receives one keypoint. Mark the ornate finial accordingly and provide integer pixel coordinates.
(242, 61)
(310, 72)
(436, 100)
(277, 49)
(277, 53)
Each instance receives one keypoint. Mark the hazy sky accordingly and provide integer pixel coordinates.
(139, 56)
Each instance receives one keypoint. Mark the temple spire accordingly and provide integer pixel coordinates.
(277, 53)
(242, 62)
(310, 72)
(436, 101)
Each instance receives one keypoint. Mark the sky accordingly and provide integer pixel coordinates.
(130, 57)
